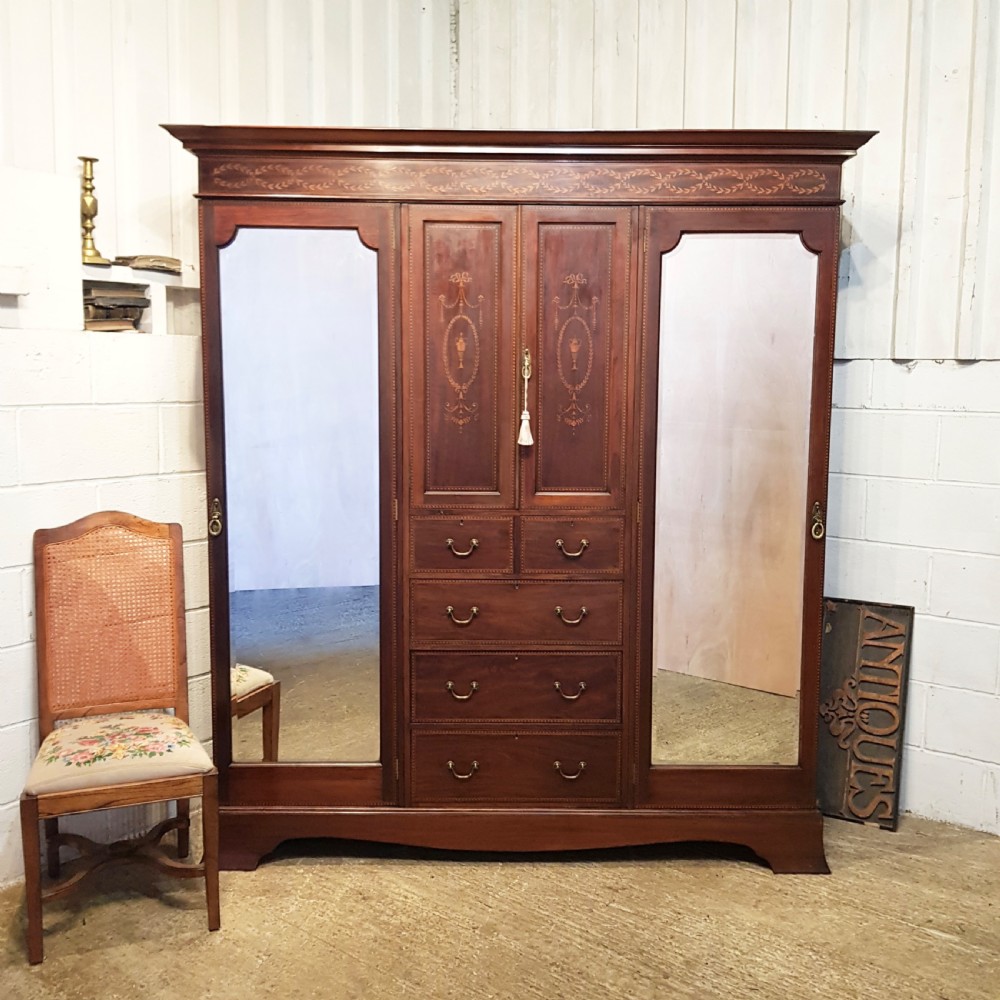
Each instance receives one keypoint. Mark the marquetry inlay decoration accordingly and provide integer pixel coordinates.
(575, 348)
(615, 181)
(460, 349)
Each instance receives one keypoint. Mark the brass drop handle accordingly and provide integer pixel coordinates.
(818, 529)
(570, 777)
(473, 688)
(463, 777)
(571, 621)
(571, 697)
(473, 545)
(561, 546)
(450, 612)
(524, 437)
(215, 519)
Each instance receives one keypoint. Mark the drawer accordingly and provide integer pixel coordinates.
(464, 766)
(524, 614)
(459, 544)
(580, 546)
(515, 687)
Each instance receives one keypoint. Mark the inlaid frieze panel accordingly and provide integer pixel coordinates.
(576, 318)
(461, 356)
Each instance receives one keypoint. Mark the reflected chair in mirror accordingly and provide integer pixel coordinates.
(112, 706)
(251, 688)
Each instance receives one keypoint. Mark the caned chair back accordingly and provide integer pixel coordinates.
(109, 605)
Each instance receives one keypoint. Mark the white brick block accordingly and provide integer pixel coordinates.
(956, 654)
(864, 571)
(22, 511)
(18, 746)
(970, 449)
(932, 385)
(852, 383)
(200, 706)
(9, 472)
(11, 858)
(934, 515)
(18, 680)
(44, 367)
(60, 444)
(146, 368)
(952, 789)
(199, 654)
(13, 614)
(196, 574)
(874, 443)
(182, 438)
(964, 723)
(966, 586)
(846, 503)
(915, 719)
(178, 498)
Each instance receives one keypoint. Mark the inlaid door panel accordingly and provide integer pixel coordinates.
(576, 316)
(460, 355)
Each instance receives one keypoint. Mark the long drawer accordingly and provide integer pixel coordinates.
(583, 546)
(464, 766)
(462, 544)
(515, 687)
(516, 614)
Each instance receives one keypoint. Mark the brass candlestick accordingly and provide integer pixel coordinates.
(88, 212)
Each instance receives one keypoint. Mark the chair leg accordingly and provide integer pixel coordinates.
(32, 877)
(52, 846)
(210, 833)
(271, 722)
(184, 831)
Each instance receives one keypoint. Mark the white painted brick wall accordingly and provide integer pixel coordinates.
(915, 457)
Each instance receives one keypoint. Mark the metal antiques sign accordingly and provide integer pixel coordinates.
(866, 652)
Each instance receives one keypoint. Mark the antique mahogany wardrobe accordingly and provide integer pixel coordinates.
(517, 467)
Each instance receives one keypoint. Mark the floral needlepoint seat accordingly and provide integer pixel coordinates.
(251, 688)
(112, 749)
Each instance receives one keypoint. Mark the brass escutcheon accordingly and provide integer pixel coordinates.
(215, 519)
(818, 529)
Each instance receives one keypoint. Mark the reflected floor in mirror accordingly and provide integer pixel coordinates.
(700, 721)
(322, 644)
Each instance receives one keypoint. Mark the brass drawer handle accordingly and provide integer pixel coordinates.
(450, 612)
(571, 697)
(570, 777)
(215, 519)
(473, 545)
(818, 529)
(561, 546)
(463, 777)
(473, 688)
(571, 621)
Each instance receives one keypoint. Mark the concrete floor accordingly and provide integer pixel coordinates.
(912, 915)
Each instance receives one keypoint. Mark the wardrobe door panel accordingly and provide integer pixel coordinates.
(576, 294)
(460, 409)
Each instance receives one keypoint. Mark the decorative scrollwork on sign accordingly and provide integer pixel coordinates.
(575, 349)
(460, 349)
(839, 713)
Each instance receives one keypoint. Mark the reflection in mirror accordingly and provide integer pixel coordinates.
(300, 382)
(732, 450)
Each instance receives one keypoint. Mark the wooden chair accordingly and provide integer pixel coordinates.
(112, 662)
(251, 688)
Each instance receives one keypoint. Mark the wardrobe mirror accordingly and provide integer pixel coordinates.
(730, 495)
(300, 381)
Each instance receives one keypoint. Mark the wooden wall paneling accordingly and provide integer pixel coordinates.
(935, 174)
(979, 306)
(761, 64)
(616, 63)
(877, 63)
(530, 79)
(817, 64)
(661, 64)
(710, 44)
(571, 63)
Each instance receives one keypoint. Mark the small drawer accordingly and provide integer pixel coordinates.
(515, 687)
(458, 544)
(465, 766)
(526, 614)
(580, 546)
